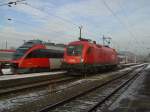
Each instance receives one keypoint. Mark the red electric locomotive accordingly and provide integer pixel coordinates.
(35, 56)
(84, 55)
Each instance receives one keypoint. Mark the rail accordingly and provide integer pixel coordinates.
(54, 106)
(93, 108)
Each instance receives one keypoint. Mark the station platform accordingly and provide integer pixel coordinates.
(20, 76)
(10, 81)
(136, 98)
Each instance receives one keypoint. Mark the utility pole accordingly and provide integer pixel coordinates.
(80, 35)
(6, 44)
(103, 40)
(2, 45)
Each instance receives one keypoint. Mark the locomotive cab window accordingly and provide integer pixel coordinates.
(74, 50)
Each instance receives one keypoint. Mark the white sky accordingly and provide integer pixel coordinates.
(127, 22)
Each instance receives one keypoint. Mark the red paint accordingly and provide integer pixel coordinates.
(92, 54)
(25, 62)
(35, 54)
(35, 63)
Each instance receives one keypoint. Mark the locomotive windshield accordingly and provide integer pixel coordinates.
(20, 52)
(74, 50)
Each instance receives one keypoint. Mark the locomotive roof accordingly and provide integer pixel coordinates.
(84, 42)
(90, 42)
(79, 42)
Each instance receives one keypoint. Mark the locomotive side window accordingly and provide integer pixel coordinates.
(74, 50)
(54, 53)
(33, 54)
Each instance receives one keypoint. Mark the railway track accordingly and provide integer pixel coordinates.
(53, 80)
(90, 99)
(117, 87)
(39, 96)
(59, 78)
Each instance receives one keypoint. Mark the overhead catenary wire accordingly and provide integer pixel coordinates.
(10, 3)
(39, 9)
(21, 3)
(128, 24)
(60, 18)
(37, 33)
(69, 21)
(51, 14)
(77, 25)
(122, 23)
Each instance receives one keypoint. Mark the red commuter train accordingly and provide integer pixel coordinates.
(35, 56)
(85, 55)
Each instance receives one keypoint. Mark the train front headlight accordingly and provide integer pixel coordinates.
(82, 60)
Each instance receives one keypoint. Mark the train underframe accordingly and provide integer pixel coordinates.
(87, 68)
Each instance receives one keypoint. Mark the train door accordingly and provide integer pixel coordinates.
(55, 63)
(55, 59)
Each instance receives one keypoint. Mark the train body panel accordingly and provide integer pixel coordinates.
(55, 63)
(29, 59)
(35, 55)
(81, 54)
(35, 63)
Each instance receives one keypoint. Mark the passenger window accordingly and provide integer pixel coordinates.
(34, 54)
(30, 55)
(44, 53)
